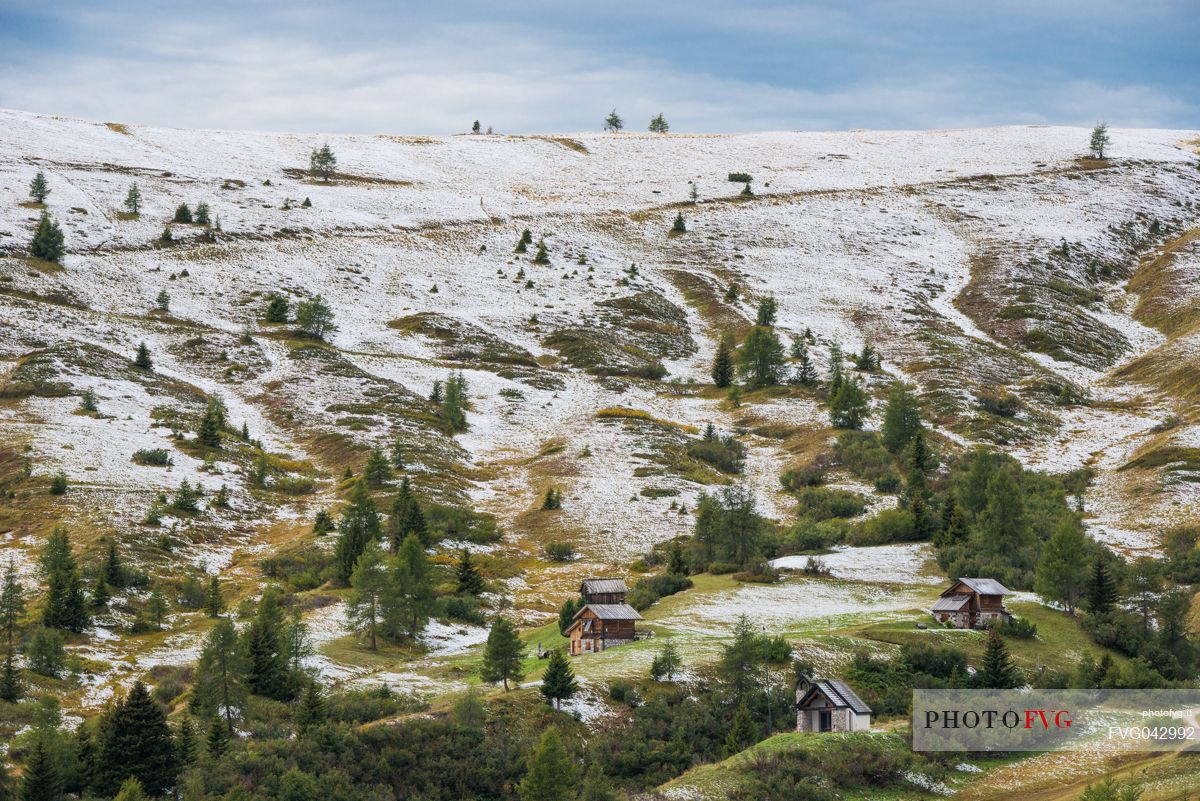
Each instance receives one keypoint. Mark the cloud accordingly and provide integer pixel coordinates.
(298, 69)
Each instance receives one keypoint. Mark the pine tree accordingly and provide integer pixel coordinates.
(1003, 527)
(322, 523)
(162, 301)
(315, 318)
(901, 418)
(47, 241)
(848, 406)
(133, 200)
(66, 606)
(836, 369)
(359, 525)
(220, 685)
(277, 309)
(413, 586)
(954, 525)
(137, 742)
(1101, 592)
(613, 122)
(11, 686)
(41, 780)
(722, 366)
(542, 256)
(187, 743)
(566, 613)
(219, 736)
(322, 163)
(39, 187)
(397, 455)
(998, 672)
(377, 471)
(202, 213)
(312, 711)
(1099, 141)
(742, 731)
(679, 226)
(760, 359)
(768, 309)
(142, 361)
(467, 578)
(551, 774)
(455, 404)
(156, 605)
(267, 671)
(1062, 571)
(558, 681)
(658, 124)
(406, 518)
(806, 373)
(100, 593)
(666, 662)
(371, 597)
(503, 654)
(183, 214)
(214, 603)
(12, 606)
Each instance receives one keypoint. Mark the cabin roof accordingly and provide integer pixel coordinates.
(983, 586)
(837, 693)
(610, 612)
(603, 586)
(950, 603)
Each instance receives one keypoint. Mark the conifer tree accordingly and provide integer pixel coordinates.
(41, 780)
(677, 566)
(666, 663)
(901, 418)
(1101, 591)
(377, 470)
(85, 758)
(679, 226)
(848, 406)
(12, 606)
(1099, 141)
(768, 309)
(322, 523)
(202, 214)
(137, 742)
(220, 685)
(558, 681)
(322, 163)
(11, 686)
(566, 613)
(1062, 570)
(187, 742)
(277, 309)
(468, 581)
(760, 359)
(1003, 527)
(66, 607)
(131, 790)
(142, 361)
(100, 593)
(219, 736)
(414, 587)
(358, 526)
(806, 373)
(997, 672)
(133, 200)
(267, 672)
(39, 187)
(543, 255)
(722, 367)
(209, 432)
(613, 122)
(214, 603)
(551, 774)
(836, 368)
(503, 654)
(456, 403)
(397, 455)
(658, 124)
(47, 241)
(315, 318)
(954, 525)
(372, 596)
(113, 570)
(406, 518)
(156, 605)
(742, 732)
(183, 214)
(312, 711)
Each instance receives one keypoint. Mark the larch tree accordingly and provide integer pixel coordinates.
(322, 163)
(613, 122)
(371, 595)
(133, 200)
(849, 405)
(315, 318)
(220, 685)
(1099, 141)
(901, 417)
(760, 358)
(1062, 571)
(659, 124)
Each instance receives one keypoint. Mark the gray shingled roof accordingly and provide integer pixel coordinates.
(986, 586)
(949, 603)
(601, 586)
(841, 695)
(611, 612)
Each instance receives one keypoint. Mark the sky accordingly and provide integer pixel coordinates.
(370, 66)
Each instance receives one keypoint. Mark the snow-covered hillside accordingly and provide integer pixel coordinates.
(977, 261)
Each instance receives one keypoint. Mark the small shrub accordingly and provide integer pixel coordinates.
(890, 525)
(724, 453)
(1000, 403)
(1018, 627)
(58, 484)
(739, 178)
(158, 457)
(648, 590)
(559, 551)
(889, 482)
(623, 692)
(722, 568)
(821, 503)
(793, 480)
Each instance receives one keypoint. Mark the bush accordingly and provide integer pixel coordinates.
(648, 590)
(739, 178)
(363, 706)
(464, 609)
(999, 402)
(158, 457)
(934, 660)
(1019, 628)
(863, 454)
(45, 653)
(810, 535)
(820, 503)
(793, 480)
(297, 569)
(559, 551)
(890, 525)
(889, 482)
(722, 568)
(623, 692)
(58, 484)
(724, 453)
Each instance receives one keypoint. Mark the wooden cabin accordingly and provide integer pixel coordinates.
(598, 626)
(830, 705)
(603, 590)
(972, 603)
